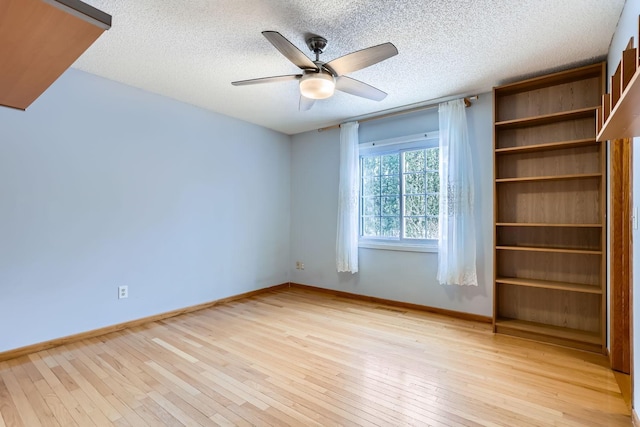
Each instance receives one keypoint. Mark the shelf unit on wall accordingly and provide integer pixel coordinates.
(549, 209)
(619, 115)
(39, 41)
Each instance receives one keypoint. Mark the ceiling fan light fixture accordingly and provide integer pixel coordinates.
(317, 85)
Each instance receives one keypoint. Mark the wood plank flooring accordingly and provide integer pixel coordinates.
(304, 358)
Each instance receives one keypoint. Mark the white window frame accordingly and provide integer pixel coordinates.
(393, 145)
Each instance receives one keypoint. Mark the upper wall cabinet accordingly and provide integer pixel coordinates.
(39, 40)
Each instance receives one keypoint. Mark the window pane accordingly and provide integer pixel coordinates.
(391, 164)
(371, 206)
(390, 226)
(391, 206)
(400, 193)
(390, 185)
(414, 205)
(414, 183)
(414, 161)
(371, 165)
(432, 205)
(432, 227)
(371, 186)
(433, 182)
(371, 226)
(414, 228)
(433, 162)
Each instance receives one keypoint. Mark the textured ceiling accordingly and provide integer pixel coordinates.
(192, 50)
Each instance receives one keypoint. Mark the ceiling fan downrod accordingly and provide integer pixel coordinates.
(316, 45)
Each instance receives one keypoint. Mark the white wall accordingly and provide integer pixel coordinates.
(103, 185)
(400, 276)
(627, 28)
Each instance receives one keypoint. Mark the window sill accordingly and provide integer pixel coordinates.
(389, 246)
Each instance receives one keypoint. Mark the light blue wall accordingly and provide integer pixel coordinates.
(400, 276)
(627, 28)
(103, 185)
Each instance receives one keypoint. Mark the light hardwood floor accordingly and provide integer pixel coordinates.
(299, 357)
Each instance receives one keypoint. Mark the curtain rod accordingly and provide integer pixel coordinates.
(467, 102)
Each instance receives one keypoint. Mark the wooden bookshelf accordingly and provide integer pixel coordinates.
(548, 249)
(521, 224)
(550, 284)
(547, 118)
(576, 338)
(549, 207)
(550, 177)
(547, 146)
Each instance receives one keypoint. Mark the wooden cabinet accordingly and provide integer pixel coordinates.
(550, 209)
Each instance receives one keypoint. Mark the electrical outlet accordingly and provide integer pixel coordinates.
(123, 292)
(299, 265)
(302, 266)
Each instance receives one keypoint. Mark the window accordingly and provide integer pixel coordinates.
(399, 192)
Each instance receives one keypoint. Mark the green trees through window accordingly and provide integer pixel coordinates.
(399, 195)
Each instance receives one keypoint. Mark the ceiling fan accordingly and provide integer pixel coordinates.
(319, 79)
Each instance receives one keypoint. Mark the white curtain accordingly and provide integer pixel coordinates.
(457, 239)
(348, 195)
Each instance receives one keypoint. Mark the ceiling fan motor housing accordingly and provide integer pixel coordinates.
(317, 44)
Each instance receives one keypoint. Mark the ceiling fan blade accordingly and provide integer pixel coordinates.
(289, 50)
(358, 88)
(305, 103)
(361, 59)
(273, 79)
